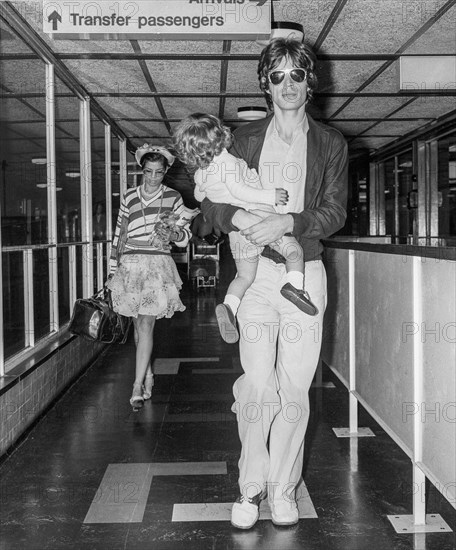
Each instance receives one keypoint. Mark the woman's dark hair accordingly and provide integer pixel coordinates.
(299, 53)
(154, 157)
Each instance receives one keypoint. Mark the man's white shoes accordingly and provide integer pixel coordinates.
(245, 511)
(284, 512)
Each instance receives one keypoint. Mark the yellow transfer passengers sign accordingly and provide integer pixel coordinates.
(158, 19)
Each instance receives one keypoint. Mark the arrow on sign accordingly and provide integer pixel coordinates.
(259, 2)
(54, 17)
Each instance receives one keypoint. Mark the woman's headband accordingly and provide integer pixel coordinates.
(146, 148)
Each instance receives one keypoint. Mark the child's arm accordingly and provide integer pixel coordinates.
(242, 189)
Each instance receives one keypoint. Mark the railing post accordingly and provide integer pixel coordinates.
(108, 168)
(52, 199)
(29, 319)
(353, 430)
(86, 199)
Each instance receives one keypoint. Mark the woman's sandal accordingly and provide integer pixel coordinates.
(137, 399)
(147, 386)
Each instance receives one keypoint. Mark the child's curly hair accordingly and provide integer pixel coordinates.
(198, 138)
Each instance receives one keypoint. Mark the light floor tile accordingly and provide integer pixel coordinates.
(188, 468)
(122, 494)
(221, 511)
(124, 489)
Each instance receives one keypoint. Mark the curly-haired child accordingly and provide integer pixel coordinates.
(201, 142)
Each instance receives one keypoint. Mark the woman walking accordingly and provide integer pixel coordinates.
(144, 280)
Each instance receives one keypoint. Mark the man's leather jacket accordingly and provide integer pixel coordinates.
(325, 198)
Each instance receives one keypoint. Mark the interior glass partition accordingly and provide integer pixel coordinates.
(68, 193)
(425, 173)
(390, 197)
(24, 217)
(97, 136)
(115, 180)
(447, 188)
(406, 194)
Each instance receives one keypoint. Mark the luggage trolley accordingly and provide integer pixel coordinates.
(205, 263)
(182, 256)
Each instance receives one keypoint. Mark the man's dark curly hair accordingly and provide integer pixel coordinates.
(299, 53)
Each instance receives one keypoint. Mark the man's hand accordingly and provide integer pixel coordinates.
(269, 230)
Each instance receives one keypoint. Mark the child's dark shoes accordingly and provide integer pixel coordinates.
(299, 298)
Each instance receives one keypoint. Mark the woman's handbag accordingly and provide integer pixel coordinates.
(95, 320)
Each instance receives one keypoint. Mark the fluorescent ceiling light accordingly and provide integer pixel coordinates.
(58, 188)
(39, 161)
(72, 174)
(284, 29)
(251, 113)
(115, 194)
(423, 73)
(42, 185)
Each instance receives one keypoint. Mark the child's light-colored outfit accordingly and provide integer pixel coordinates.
(228, 179)
(146, 280)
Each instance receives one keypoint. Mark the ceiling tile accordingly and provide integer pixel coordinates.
(393, 128)
(10, 42)
(350, 128)
(344, 76)
(67, 129)
(23, 76)
(200, 77)
(109, 76)
(178, 108)
(242, 78)
(370, 26)
(143, 132)
(366, 107)
(387, 81)
(324, 107)
(429, 106)
(67, 108)
(13, 109)
(440, 38)
(124, 107)
(181, 46)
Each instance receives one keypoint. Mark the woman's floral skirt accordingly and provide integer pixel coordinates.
(146, 284)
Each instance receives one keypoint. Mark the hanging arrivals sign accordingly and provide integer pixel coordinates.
(158, 19)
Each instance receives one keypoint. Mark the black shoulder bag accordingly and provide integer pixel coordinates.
(95, 320)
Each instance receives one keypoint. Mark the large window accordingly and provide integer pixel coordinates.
(447, 188)
(24, 219)
(45, 264)
(419, 188)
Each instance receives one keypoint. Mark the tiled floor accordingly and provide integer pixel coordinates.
(93, 475)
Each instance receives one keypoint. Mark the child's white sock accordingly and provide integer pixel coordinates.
(296, 278)
(232, 301)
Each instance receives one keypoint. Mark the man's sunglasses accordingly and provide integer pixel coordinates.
(276, 77)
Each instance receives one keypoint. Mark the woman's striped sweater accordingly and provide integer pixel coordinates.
(136, 221)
